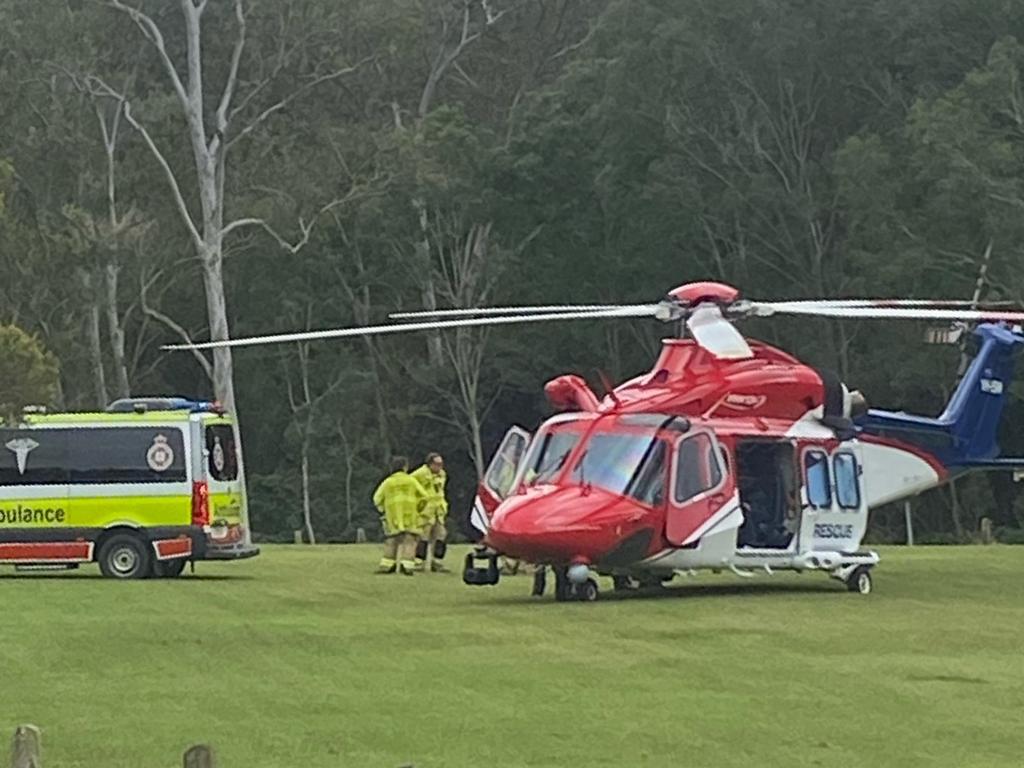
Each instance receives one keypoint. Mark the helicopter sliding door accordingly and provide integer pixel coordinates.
(835, 517)
(702, 489)
(767, 481)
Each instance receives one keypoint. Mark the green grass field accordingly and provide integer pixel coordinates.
(302, 657)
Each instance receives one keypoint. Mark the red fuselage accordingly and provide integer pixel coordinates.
(626, 477)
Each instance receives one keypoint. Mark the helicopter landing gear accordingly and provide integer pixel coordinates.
(625, 584)
(859, 580)
(587, 591)
(565, 590)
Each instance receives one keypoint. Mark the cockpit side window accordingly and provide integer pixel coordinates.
(501, 472)
(698, 467)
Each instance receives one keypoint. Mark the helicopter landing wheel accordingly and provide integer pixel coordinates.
(860, 580)
(587, 591)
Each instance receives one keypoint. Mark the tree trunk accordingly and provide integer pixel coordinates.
(96, 356)
(116, 332)
(435, 349)
(958, 525)
(306, 510)
(478, 445)
(349, 470)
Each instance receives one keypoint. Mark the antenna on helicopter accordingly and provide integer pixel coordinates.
(609, 388)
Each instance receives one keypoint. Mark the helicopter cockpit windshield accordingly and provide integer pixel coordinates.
(627, 455)
(632, 464)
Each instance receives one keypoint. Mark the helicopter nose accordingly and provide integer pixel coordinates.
(571, 525)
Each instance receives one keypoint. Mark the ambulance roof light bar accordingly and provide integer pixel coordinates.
(145, 404)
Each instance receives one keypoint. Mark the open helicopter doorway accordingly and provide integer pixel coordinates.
(769, 493)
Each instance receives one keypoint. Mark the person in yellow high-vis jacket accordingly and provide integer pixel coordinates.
(435, 512)
(400, 500)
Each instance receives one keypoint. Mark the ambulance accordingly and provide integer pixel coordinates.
(142, 489)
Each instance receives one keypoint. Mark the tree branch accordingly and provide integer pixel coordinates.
(232, 81)
(294, 95)
(161, 317)
(152, 33)
(168, 172)
(306, 228)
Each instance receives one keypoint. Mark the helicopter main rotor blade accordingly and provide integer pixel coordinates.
(898, 313)
(716, 334)
(376, 330)
(891, 303)
(534, 310)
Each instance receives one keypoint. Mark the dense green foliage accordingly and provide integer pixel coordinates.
(30, 373)
(303, 657)
(533, 152)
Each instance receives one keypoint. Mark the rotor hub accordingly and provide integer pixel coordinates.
(692, 294)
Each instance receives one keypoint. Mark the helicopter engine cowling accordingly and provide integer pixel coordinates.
(570, 393)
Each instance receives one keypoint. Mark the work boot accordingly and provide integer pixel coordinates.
(438, 567)
(386, 569)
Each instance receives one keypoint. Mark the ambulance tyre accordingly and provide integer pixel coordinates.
(168, 569)
(859, 580)
(125, 556)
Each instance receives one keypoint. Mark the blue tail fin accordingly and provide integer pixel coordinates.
(965, 436)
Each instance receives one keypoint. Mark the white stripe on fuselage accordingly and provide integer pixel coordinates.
(809, 426)
(892, 473)
(727, 508)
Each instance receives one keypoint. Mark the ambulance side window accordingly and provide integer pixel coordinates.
(102, 455)
(819, 486)
(33, 457)
(221, 460)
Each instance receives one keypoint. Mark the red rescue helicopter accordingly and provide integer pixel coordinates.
(729, 454)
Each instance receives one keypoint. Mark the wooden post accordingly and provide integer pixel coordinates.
(910, 525)
(26, 748)
(199, 756)
(298, 536)
(986, 531)
(360, 535)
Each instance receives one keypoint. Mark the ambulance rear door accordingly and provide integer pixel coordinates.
(224, 485)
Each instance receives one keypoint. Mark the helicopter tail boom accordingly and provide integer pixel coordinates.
(965, 436)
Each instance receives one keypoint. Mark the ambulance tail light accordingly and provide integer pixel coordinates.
(200, 503)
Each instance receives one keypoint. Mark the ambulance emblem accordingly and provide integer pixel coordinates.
(21, 448)
(218, 455)
(160, 455)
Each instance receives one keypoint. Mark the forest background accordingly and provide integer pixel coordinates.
(174, 170)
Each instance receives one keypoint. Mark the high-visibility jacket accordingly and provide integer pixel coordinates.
(436, 507)
(400, 498)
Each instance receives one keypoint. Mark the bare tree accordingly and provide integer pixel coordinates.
(459, 25)
(468, 267)
(211, 134)
(304, 410)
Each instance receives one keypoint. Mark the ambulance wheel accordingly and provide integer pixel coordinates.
(860, 580)
(587, 591)
(124, 556)
(168, 569)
